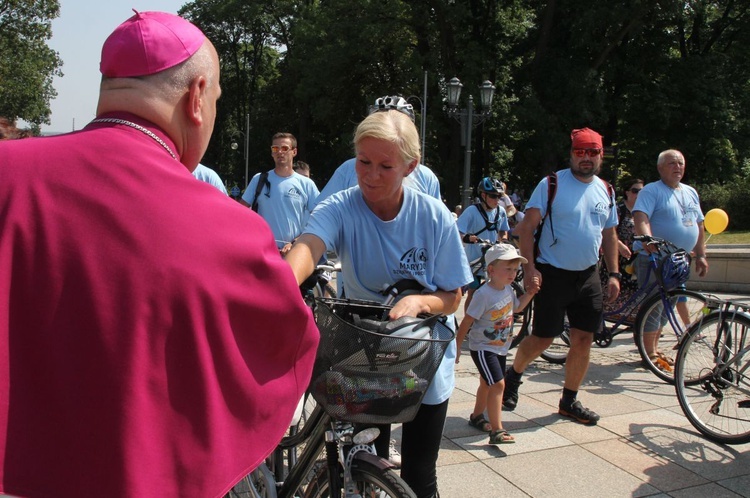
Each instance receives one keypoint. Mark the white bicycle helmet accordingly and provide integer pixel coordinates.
(396, 103)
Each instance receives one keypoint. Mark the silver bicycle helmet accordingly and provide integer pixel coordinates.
(394, 102)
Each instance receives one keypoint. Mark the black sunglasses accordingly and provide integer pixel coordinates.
(635, 190)
(493, 196)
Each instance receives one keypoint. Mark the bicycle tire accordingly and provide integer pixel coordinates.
(522, 320)
(715, 400)
(691, 308)
(385, 482)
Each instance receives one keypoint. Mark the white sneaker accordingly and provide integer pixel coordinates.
(393, 455)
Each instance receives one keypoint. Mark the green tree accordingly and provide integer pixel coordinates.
(27, 64)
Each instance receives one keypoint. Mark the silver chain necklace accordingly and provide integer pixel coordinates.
(139, 128)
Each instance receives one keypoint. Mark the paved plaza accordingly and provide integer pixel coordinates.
(642, 446)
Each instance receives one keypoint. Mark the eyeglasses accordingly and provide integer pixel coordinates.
(587, 152)
(493, 196)
(284, 148)
(635, 190)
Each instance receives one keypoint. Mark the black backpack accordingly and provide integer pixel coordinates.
(551, 192)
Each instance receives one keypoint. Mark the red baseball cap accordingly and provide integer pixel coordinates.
(585, 138)
(147, 43)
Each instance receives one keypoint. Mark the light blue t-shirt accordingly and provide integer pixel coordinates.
(673, 214)
(421, 243)
(471, 221)
(492, 311)
(286, 205)
(206, 174)
(345, 176)
(580, 211)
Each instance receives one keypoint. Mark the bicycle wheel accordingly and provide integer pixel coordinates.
(522, 320)
(259, 483)
(658, 329)
(371, 481)
(712, 381)
(557, 352)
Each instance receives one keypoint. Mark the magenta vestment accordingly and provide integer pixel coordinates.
(152, 340)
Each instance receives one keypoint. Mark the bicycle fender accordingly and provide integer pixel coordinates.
(379, 462)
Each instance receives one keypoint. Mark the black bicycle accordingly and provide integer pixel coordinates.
(367, 371)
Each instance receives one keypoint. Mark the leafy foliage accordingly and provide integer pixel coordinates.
(27, 64)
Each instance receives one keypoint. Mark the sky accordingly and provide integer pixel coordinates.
(77, 36)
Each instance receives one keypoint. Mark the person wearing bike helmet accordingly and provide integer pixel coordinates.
(484, 221)
(422, 178)
(383, 233)
(670, 210)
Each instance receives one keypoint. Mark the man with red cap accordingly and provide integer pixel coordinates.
(140, 352)
(577, 216)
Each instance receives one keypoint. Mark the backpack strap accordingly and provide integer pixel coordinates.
(551, 193)
(262, 182)
(487, 225)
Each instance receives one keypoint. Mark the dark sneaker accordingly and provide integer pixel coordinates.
(510, 394)
(577, 412)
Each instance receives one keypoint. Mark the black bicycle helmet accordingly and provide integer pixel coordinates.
(394, 102)
(490, 185)
(674, 269)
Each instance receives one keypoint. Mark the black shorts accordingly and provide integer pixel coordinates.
(491, 366)
(575, 293)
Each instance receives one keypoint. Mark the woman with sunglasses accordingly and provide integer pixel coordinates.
(625, 233)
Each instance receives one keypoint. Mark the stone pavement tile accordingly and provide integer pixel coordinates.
(580, 434)
(645, 465)
(688, 449)
(457, 422)
(711, 490)
(643, 421)
(474, 480)
(740, 485)
(451, 454)
(527, 440)
(605, 403)
(566, 472)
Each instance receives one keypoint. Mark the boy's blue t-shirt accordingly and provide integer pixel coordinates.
(492, 311)
(421, 243)
(580, 211)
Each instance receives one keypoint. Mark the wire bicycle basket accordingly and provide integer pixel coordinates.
(366, 375)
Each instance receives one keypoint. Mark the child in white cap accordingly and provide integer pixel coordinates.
(489, 324)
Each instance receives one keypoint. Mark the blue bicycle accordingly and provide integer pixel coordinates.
(665, 310)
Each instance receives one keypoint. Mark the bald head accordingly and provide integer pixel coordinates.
(181, 100)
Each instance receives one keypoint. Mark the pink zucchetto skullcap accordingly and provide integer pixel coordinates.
(147, 43)
(585, 138)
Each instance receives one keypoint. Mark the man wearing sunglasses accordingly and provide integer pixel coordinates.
(580, 219)
(284, 198)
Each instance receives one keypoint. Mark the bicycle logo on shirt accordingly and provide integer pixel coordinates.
(413, 262)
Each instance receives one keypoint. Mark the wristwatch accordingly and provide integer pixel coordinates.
(615, 274)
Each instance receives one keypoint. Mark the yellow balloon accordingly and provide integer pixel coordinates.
(716, 221)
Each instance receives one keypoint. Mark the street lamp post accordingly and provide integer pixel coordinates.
(246, 136)
(469, 119)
